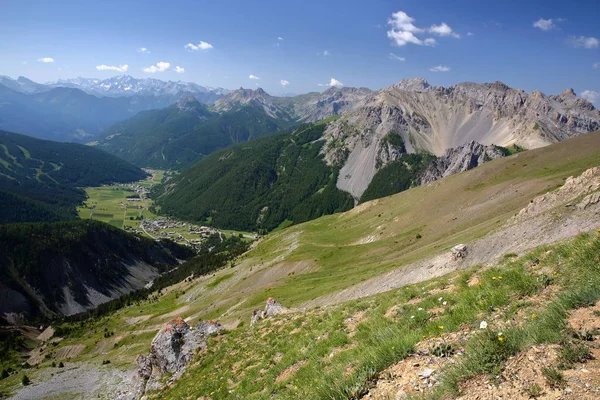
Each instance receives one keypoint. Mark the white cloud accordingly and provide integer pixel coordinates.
(589, 95)
(470, 33)
(403, 31)
(200, 46)
(159, 67)
(440, 68)
(46, 59)
(596, 65)
(254, 77)
(585, 42)
(279, 38)
(143, 50)
(332, 82)
(326, 53)
(395, 57)
(284, 82)
(544, 24)
(179, 70)
(443, 30)
(120, 68)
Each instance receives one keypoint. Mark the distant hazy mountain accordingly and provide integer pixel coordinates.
(23, 85)
(125, 85)
(309, 107)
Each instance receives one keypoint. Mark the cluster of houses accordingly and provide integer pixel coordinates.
(167, 228)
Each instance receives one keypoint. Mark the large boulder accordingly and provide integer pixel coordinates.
(272, 308)
(171, 350)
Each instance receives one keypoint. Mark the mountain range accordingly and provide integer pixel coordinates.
(383, 142)
(76, 110)
(118, 86)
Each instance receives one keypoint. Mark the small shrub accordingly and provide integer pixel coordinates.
(443, 350)
(25, 380)
(554, 377)
(61, 365)
(571, 354)
(5, 374)
(105, 362)
(418, 236)
(534, 390)
(53, 364)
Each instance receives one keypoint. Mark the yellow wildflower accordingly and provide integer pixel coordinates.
(500, 338)
(441, 327)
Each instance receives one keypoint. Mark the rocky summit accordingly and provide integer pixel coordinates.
(434, 119)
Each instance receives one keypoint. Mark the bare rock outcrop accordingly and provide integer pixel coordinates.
(587, 184)
(272, 308)
(459, 252)
(434, 119)
(171, 350)
(460, 159)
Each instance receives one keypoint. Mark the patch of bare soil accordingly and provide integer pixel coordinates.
(418, 373)
(288, 372)
(105, 345)
(352, 322)
(584, 379)
(71, 351)
(414, 374)
(46, 334)
(137, 320)
(521, 378)
(177, 313)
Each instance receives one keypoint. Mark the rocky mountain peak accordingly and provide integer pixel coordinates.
(568, 93)
(412, 85)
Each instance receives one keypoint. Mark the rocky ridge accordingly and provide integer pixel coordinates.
(308, 107)
(460, 159)
(434, 119)
(171, 350)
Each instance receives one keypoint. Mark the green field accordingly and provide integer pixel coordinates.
(109, 204)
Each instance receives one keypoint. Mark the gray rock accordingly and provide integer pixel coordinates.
(460, 159)
(459, 252)
(171, 350)
(272, 308)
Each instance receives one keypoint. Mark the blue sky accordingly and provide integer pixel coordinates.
(308, 43)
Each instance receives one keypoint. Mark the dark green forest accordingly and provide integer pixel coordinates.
(51, 175)
(176, 136)
(397, 176)
(258, 185)
(38, 260)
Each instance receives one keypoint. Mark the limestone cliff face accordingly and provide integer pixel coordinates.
(460, 159)
(434, 119)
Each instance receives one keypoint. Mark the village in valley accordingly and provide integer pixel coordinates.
(129, 207)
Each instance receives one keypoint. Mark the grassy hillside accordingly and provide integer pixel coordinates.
(259, 185)
(53, 172)
(352, 342)
(176, 136)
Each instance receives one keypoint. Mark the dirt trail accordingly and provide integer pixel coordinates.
(557, 221)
